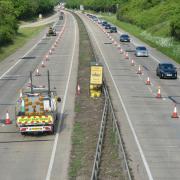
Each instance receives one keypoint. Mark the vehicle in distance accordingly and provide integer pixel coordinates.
(104, 23)
(124, 38)
(107, 26)
(141, 51)
(166, 70)
(113, 29)
(51, 32)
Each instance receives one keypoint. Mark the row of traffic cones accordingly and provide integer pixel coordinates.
(126, 56)
(46, 58)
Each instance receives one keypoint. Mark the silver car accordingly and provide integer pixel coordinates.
(141, 51)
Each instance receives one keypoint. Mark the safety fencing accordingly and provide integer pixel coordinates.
(108, 112)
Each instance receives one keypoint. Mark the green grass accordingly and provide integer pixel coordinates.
(77, 140)
(23, 36)
(172, 51)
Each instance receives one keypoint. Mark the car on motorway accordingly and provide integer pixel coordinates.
(113, 29)
(107, 26)
(104, 23)
(141, 51)
(166, 70)
(124, 38)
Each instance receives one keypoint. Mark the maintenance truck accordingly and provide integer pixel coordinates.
(36, 109)
(51, 32)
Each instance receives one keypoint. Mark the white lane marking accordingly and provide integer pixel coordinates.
(23, 56)
(48, 176)
(125, 110)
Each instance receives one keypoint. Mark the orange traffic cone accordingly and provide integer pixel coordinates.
(115, 43)
(159, 93)
(46, 57)
(121, 50)
(139, 70)
(42, 64)
(37, 72)
(132, 62)
(175, 114)
(7, 120)
(148, 81)
(53, 48)
(78, 89)
(126, 55)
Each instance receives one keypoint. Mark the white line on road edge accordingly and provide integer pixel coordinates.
(4, 74)
(48, 176)
(125, 110)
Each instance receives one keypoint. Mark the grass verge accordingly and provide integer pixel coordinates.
(21, 39)
(88, 114)
(167, 45)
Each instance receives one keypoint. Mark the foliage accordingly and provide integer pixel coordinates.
(147, 14)
(13, 10)
(96, 5)
(8, 22)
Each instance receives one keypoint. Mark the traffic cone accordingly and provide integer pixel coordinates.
(42, 64)
(55, 44)
(148, 81)
(119, 46)
(20, 94)
(139, 70)
(126, 55)
(159, 93)
(53, 48)
(78, 89)
(132, 62)
(37, 72)
(121, 50)
(7, 120)
(50, 51)
(115, 43)
(175, 114)
(46, 57)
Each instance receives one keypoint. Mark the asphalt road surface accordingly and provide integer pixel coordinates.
(151, 135)
(39, 157)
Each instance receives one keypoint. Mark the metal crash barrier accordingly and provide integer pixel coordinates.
(109, 112)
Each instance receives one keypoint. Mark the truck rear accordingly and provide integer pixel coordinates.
(36, 112)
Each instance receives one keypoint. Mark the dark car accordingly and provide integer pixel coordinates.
(166, 70)
(124, 38)
(107, 26)
(104, 23)
(141, 51)
(113, 29)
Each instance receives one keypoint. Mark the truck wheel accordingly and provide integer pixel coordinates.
(53, 131)
(23, 133)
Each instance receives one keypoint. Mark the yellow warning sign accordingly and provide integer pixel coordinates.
(96, 75)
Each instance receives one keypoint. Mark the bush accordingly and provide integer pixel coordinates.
(8, 22)
(175, 27)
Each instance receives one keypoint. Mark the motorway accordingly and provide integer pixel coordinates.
(39, 157)
(151, 135)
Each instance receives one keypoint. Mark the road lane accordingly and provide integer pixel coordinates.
(156, 132)
(27, 157)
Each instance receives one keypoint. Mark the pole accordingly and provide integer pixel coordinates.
(31, 82)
